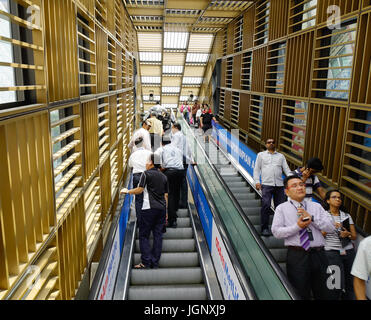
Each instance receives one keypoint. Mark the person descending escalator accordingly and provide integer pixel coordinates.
(154, 184)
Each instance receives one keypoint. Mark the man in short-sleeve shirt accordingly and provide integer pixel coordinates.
(153, 183)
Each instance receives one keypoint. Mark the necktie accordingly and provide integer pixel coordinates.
(304, 237)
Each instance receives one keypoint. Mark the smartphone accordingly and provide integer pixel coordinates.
(305, 219)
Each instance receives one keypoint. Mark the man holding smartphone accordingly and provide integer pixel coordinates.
(300, 222)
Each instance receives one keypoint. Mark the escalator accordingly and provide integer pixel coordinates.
(247, 198)
(179, 276)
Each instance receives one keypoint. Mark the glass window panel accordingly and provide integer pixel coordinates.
(7, 77)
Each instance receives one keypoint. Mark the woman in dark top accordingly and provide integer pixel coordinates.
(206, 122)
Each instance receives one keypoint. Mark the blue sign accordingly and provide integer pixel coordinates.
(201, 204)
(124, 216)
(239, 151)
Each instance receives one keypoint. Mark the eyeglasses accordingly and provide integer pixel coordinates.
(297, 185)
(270, 142)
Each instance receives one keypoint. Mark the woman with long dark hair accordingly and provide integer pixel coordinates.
(339, 247)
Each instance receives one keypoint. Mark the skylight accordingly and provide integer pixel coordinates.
(175, 40)
(172, 69)
(147, 99)
(192, 80)
(150, 56)
(170, 89)
(151, 80)
(197, 57)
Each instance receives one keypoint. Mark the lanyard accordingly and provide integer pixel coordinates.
(303, 205)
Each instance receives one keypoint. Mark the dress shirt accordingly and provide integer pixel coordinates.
(270, 167)
(179, 140)
(146, 139)
(285, 225)
(171, 157)
(138, 160)
(156, 126)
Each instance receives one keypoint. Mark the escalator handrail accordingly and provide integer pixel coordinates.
(241, 273)
(282, 277)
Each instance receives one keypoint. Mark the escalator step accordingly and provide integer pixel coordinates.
(183, 222)
(279, 254)
(237, 184)
(174, 259)
(251, 211)
(253, 203)
(168, 292)
(171, 233)
(272, 242)
(173, 245)
(182, 213)
(164, 276)
(242, 195)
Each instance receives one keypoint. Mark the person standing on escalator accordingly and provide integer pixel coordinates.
(269, 166)
(155, 188)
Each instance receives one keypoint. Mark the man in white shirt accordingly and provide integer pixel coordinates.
(172, 166)
(179, 140)
(361, 269)
(137, 161)
(144, 133)
(269, 166)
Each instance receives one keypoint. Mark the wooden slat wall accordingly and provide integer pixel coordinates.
(52, 226)
(90, 134)
(334, 120)
(61, 50)
(298, 65)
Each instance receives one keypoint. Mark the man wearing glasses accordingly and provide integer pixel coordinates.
(300, 222)
(269, 166)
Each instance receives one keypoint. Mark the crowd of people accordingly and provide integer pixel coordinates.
(159, 158)
(321, 259)
(199, 117)
(319, 238)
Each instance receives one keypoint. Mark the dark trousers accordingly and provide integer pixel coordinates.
(184, 189)
(152, 220)
(278, 198)
(345, 263)
(155, 141)
(174, 178)
(138, 197)
(306, 271)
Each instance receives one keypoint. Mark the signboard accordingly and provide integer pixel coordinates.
(224, 269)
(201, 204)
(109, 278)
(112, 266)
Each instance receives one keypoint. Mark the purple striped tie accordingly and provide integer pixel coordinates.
(304, 239)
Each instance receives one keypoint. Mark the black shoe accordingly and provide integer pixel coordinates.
(172, 225)
(266, 233)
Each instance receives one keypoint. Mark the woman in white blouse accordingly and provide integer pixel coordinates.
(339, 247)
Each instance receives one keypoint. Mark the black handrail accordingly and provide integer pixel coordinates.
(277, 269)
